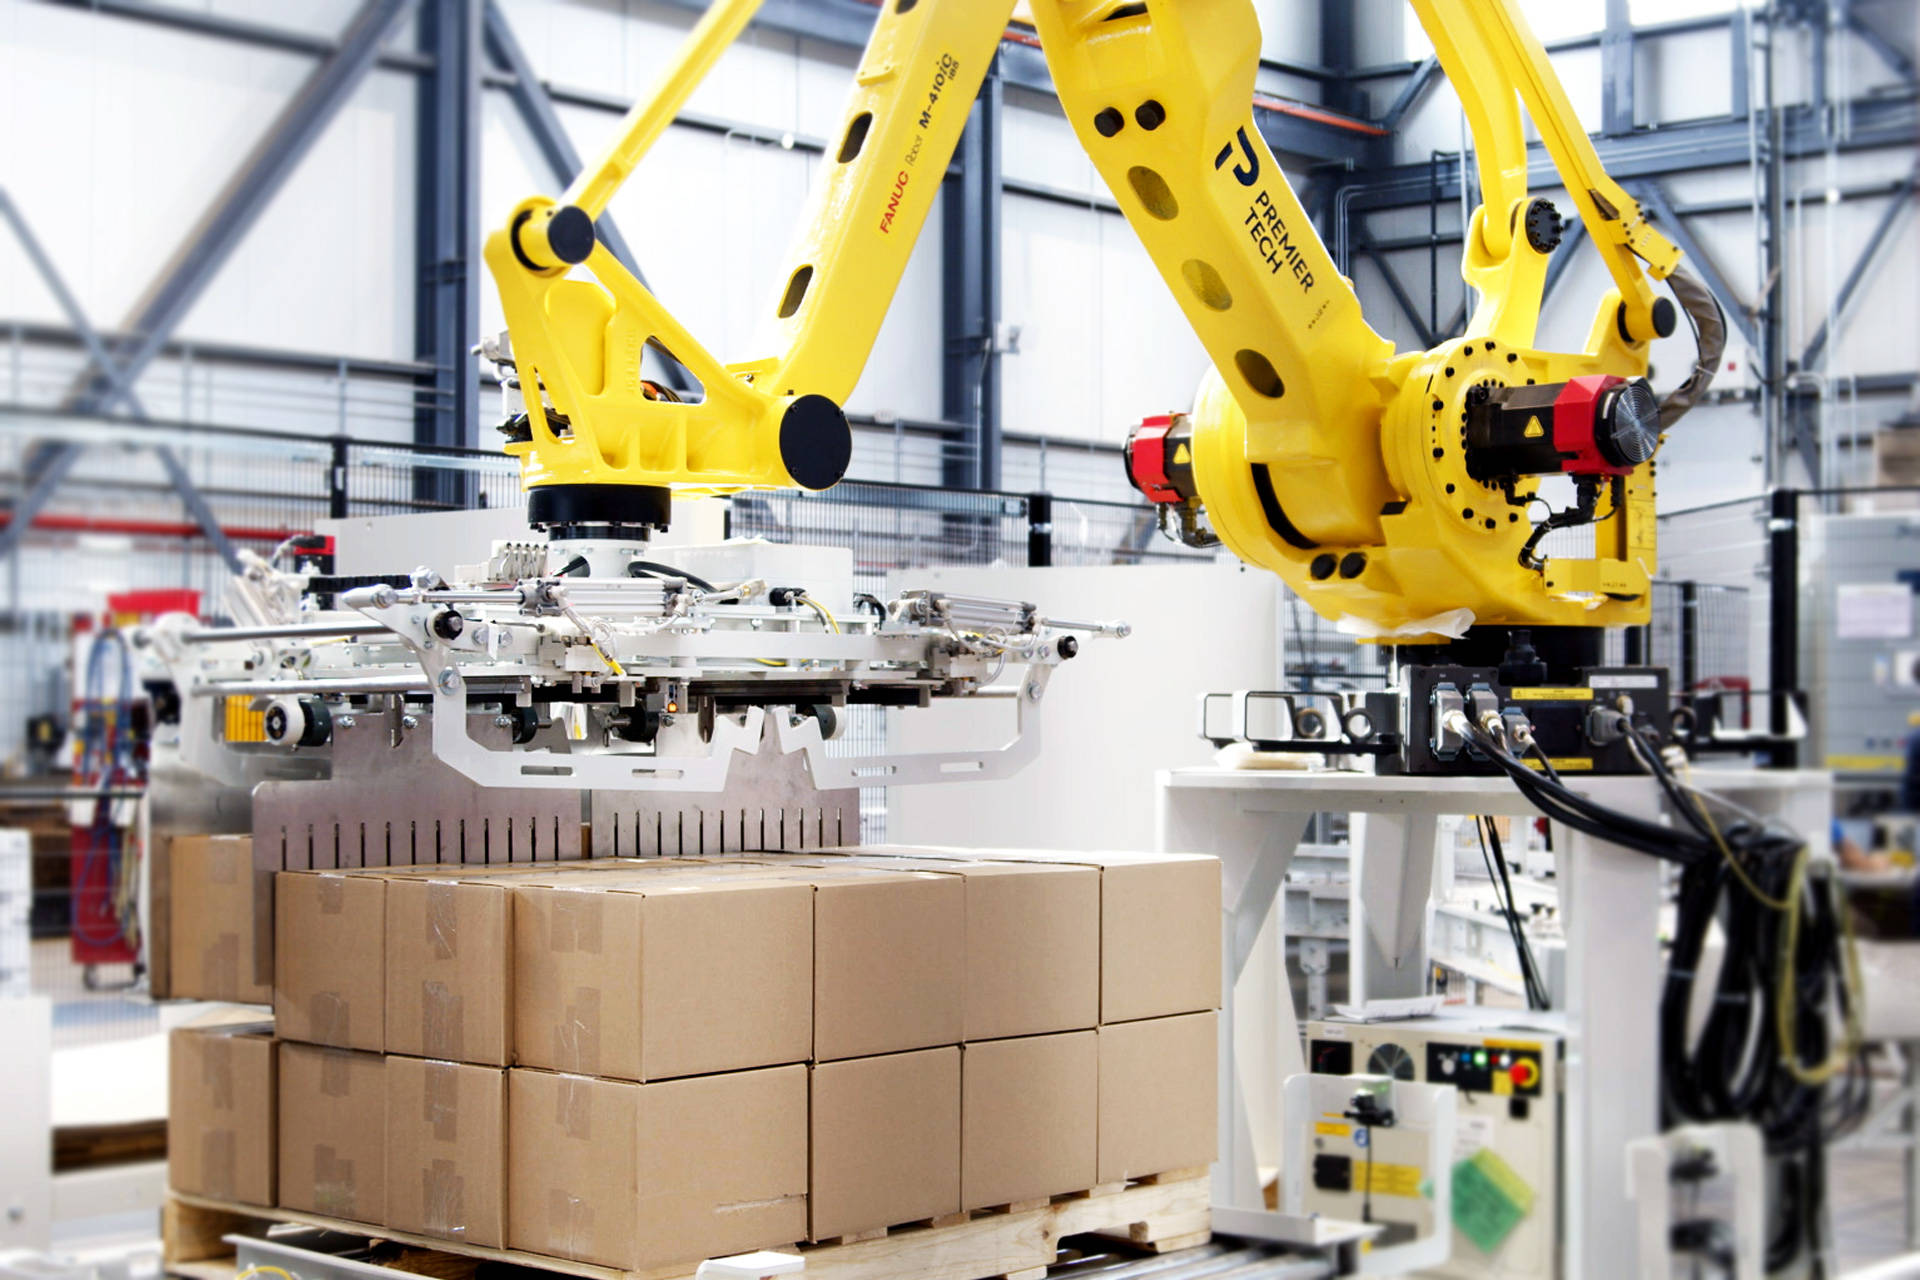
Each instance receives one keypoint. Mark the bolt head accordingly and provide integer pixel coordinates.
(345, 722)
(503, 722)
(409, 721)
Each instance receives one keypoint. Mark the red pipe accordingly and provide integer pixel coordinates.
(146, 528)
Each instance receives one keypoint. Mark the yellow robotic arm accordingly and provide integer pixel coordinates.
(1393, 488)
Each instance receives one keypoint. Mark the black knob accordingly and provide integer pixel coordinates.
(448, 624)
(570, 234)
(1067, 647)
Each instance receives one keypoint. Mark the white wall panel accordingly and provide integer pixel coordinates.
(1102, 342)
(117, 135)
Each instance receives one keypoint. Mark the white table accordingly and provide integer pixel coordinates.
(1609, 898)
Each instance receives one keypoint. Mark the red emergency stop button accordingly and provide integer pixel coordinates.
(1524, 1074)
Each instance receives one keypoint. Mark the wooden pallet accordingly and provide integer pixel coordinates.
(1019, 1241)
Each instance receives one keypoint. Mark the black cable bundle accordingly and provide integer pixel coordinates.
(1766, 1054)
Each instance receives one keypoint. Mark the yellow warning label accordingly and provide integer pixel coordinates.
(1530, 1046)
(1561, 764)
(1866, 764)
(1544, 694)
(1534, 430)
(244, 724)
(1388, 1179)
(1326, 1130)
(1181, 455)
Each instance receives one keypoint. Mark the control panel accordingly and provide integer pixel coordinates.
(1508, 1126)
(1570, 721)
(1504, 1070)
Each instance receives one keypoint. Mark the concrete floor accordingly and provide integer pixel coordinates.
(1868, 1195)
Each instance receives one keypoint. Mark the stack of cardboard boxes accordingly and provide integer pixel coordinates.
(644, 1063)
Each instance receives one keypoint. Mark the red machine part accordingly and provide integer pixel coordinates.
(1576, 411)
(1147, 459)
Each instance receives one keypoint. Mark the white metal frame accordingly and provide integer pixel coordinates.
(1610, 898)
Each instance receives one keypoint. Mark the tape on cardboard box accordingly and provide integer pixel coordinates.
(333, 1183)
(573, 1107)
(216, 1071)
(443, 1019)
(443, 920)
(330, 1018)
(578, 922)
(440, 1101)
(219, 1163)
(443, 1199)
(569, 1225)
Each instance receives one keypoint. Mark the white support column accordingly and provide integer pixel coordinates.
(1610, 899)
(1388, 909)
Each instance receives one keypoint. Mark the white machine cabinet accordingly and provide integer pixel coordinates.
(1610, 898)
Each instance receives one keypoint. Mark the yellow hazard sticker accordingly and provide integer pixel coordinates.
(1534, 430)
(1545, 694)
(1326, 1130)
(1181, 455)
(243, 723)
(1561, 764)
(1866, 764)
(1388, 1179)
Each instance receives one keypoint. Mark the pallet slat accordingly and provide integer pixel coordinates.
(1019, 1242)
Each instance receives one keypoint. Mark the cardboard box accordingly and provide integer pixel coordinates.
(211, 920)
(651, 976)
(1029, 1117)
(221, 1113)
(1159, 926)
(333, 1132)
(1033, 944)
(329, 966)
(886, 1141)
(1158, 1089)
(449, 958)
(643, 1175)
(446, 1150)
(889, 955)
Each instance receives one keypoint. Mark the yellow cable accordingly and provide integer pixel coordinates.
(1786, 1008)
(1700, 803)
(261, 1270)
(821, 609)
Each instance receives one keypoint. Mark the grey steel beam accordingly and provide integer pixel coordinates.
(1364, 244)
(1562, 259)
(1410, 93)
(1739, 59)
(227, 353)
(1739, 313)
(197, 507)
(1885, 49)
(446, 313)
(251, 189)
(66, 454)
(1302, 131)
(1616, 70)
(24, 512)
(50, 276)
(260, 35)
(1337, 52)
(1815, 354)
(970, 289)
(1880, 121)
